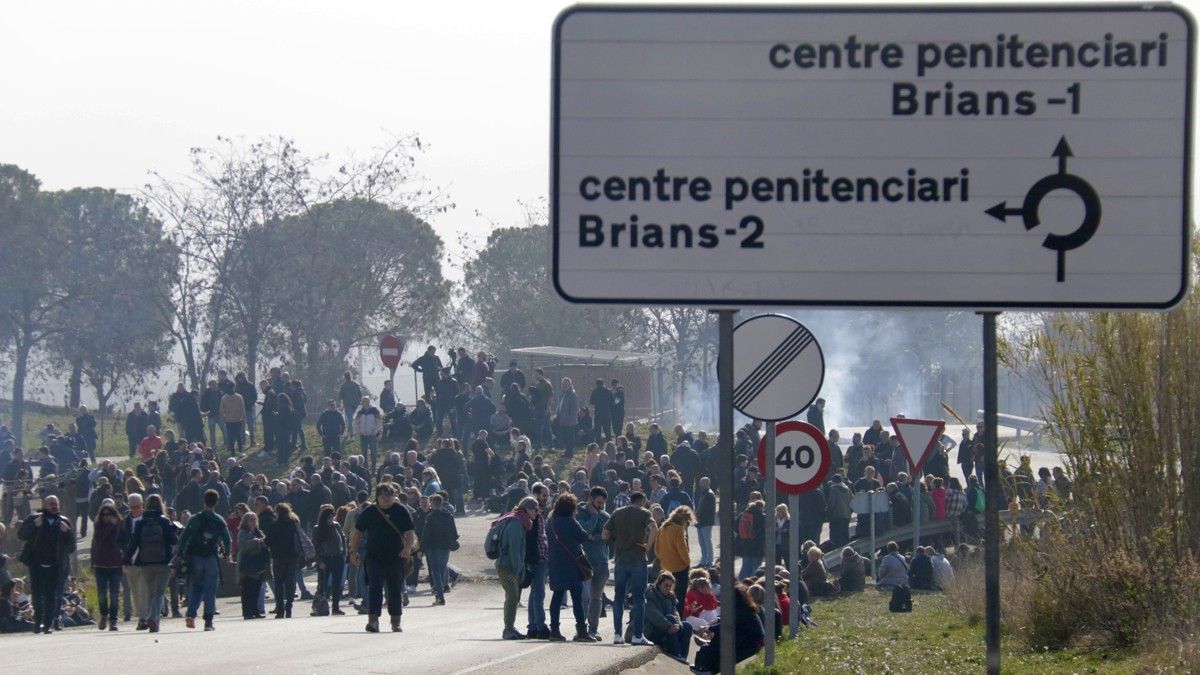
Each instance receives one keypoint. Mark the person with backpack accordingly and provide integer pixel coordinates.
(329, 544)
(203, 543)
(505, 543)
(283, 541)
(391, 541)
(109, 540)
(150, 550)
(751, 531)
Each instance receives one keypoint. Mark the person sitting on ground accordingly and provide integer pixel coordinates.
(748, 634)
(920, 572)
(701, 606)
(943, 573)
(759, 594)
(12, 619)
(853, 578)
(893, 570)
(663, 625)
(813, 574)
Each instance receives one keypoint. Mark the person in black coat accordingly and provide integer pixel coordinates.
(439, 536)
(331, 425)
(283, 537)
(135, 427)
(602, 405)
(920, 571)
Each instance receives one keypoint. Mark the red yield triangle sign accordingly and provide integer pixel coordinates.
(918, 438)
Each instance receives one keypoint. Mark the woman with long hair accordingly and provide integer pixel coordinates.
(671, 550)
(749, 636)
(664, 627)
(567, 566)
(253, 563)
(330, 545)
(283, 542)
(109, 540)
(431, 484)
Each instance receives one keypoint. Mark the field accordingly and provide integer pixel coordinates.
(857, 634)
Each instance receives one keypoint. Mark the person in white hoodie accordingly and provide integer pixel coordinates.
(943, 573)
(368, 424)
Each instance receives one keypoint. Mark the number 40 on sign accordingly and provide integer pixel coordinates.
(802, 457)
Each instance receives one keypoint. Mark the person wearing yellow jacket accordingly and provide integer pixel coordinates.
(671, 548)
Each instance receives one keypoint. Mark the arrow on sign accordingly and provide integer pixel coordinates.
(1062, 151)
(1001, 211)
(918, 438)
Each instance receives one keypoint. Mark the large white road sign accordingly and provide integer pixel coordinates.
(990, 157)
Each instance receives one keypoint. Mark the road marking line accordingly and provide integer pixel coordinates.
(506, 659)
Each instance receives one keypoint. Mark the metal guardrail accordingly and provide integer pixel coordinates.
(905, 533)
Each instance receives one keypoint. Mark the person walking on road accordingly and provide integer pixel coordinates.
(49, 542)
(152, 544)
(438, 538)
(203, 543)
(511, 532)
(109, 540)
(537, 563)
(569, 569)
(391, 540)
(632, 532)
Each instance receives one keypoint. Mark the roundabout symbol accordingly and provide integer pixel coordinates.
(1033, 199)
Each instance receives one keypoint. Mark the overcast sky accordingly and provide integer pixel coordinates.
(98, 93)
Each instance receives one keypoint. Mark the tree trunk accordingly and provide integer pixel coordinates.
(20, 371)
(252, 361)
(76, 383)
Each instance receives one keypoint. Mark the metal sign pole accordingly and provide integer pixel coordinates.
(991, 514)
(724, 470)
(793, 565)
(769, 563)
(871, 508)
(916, 488)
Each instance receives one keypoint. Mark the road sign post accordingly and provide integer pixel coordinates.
(918, 438)
(724, 470)
(794, 566)
(769, 566)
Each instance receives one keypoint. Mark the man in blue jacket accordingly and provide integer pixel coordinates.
(202, 543)
(593, 518)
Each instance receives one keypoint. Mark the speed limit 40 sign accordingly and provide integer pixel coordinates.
(802, 457)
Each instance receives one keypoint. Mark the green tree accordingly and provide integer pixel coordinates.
(32, 288)
(355, 269)
(509, 301)
(119, 270)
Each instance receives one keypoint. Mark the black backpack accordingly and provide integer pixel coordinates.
(901, 600)
(153, 549)
(206, 541)
(491, 543)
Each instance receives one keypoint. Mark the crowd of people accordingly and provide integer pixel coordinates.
(186, 514)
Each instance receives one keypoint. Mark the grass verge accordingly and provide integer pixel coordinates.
(857, 634)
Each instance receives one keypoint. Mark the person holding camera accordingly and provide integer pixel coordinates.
(49, 542)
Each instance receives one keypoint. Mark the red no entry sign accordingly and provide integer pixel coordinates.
(390, 349)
